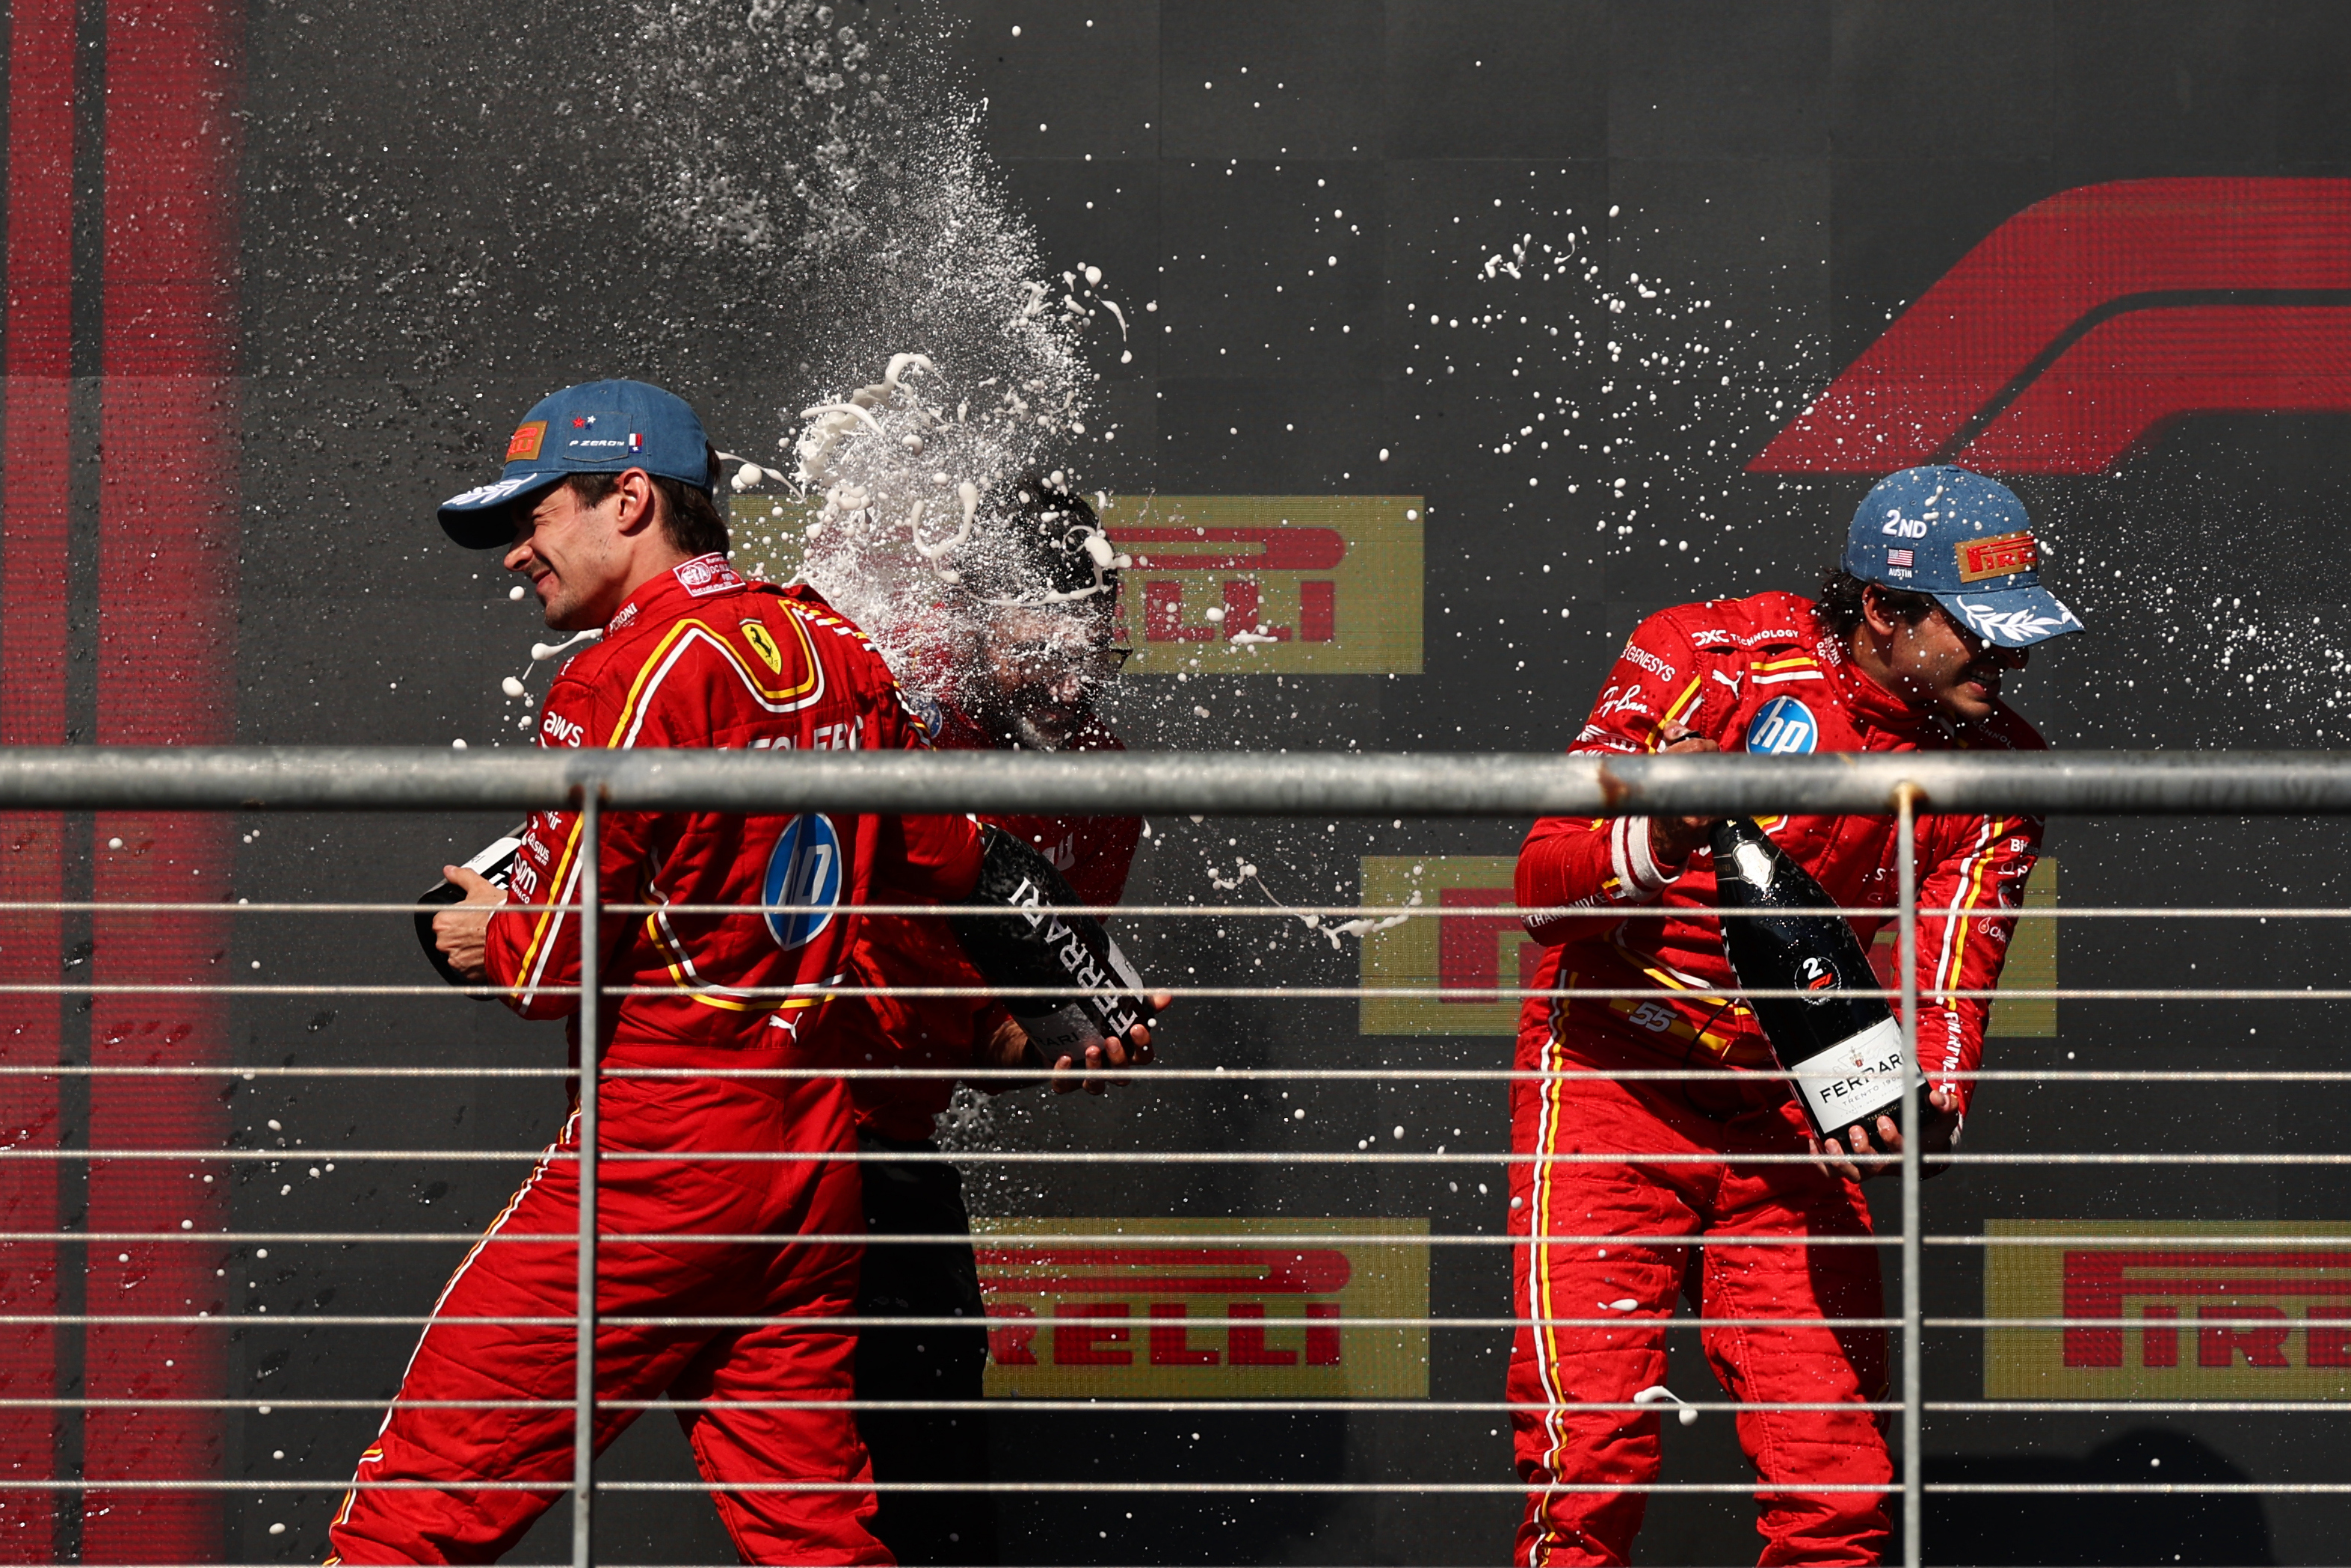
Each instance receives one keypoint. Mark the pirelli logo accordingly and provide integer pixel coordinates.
(1272, 584)
(1474, 958)
(1191, 1309)
(1996, 557)
(2169, 1314)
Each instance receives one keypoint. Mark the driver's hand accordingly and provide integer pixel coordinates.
(1106, 1064)
(1673, 839)
(1866, 1156)
(461, 930)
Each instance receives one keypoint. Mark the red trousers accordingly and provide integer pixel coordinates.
(1555, 1365)
(793, 1356)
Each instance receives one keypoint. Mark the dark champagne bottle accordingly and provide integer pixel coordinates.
(495, 865)
(1843, 1047)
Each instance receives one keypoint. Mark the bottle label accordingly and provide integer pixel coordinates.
(1064, 1032)
(1067, 1030)
(1854, 1079)
(496, 863)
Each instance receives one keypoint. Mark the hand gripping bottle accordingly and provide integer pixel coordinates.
(495, 865)
(1843, 1049)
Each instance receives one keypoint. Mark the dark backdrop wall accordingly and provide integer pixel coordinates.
(281, 278)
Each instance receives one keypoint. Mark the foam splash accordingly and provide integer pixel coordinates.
(1659, 1393)
(762, 128)
(1332, 931)
(905, 485)
(542, 652)
(1670, 362)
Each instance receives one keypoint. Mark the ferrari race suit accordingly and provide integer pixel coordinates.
(924, 1197)
(698, 657)
(1758, 674)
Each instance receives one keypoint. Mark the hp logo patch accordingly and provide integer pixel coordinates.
(803, 883)
(1783, 728)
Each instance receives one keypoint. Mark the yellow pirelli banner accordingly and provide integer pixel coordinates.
(1193, 1309)
(2171, 1314)
(1271, 584)
(1475, 958)
(1225, 585)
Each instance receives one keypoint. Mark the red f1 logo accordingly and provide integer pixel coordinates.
(2091, 321)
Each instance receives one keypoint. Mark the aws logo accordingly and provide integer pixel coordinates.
(2090, 322)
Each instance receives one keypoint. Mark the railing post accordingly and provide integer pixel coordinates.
(1914, 1122)
(583, 1388)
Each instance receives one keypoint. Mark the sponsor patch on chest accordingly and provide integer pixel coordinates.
(1784, 727)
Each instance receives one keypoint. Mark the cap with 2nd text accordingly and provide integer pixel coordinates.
(1964, 540)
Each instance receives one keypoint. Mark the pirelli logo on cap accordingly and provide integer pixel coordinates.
(523, 445)
(1998, 556)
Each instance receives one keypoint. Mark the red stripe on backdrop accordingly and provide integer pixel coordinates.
(33, 542)
(168, 516)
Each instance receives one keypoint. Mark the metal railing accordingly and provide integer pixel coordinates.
(1902, 785)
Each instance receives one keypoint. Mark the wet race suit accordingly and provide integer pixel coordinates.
(911, 1197)
(1754, 674)
(697, 658)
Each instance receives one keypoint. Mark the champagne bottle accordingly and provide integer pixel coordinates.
(1843, 1049)
(495, 865)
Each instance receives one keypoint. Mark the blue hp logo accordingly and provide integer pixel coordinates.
(804, 880)
(1783, 728)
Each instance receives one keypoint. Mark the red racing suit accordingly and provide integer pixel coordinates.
(906, 1197)
(697, 658)
(1755, 675)
(1093, 852)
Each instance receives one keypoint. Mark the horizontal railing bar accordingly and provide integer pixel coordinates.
(1061, 1489)
(1206, 1074)
(1244, 1406)
(2129, 1489)
(1123, 1238)
(942, 911)
(2157, 1239)
(1209, 911)
(1200, 911)
(1251, 1490)
(1211, 993)
(266, 1407)
(826, 1324)
(950, 1406)
(2136, 1407)
(933, 1238)
(1161, 1157)
(1326, 784)
(2216, 1321)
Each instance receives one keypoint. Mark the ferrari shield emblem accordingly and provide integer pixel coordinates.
(764, 645)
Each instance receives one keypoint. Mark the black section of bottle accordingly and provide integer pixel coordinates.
(1794, 947)
(443, 893)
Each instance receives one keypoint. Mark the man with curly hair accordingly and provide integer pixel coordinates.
(1934, 602)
